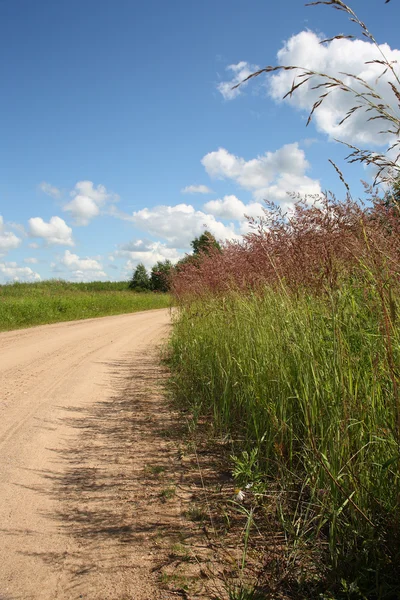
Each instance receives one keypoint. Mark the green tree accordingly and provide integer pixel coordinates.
(159, 279)
(204, 243)
(140, 281)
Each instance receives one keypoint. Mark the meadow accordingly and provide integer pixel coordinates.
(28, 304)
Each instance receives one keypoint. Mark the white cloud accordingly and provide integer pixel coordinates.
(257, 172)
(148, 253)
(74, 263)
(346, 56)
(288, 182)
(31, 261)
(8, 239)
(196, 189)
(49, 189)
(239, 72)
(34, 245)
(269, 176)
(79, 269)
(12, 272)
(230, 207)
(80, 275)
(88, 201)
(56, 231)
(179, 224)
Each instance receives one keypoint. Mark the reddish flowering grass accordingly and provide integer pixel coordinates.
(321, 242)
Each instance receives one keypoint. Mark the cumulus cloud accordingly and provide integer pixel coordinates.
(49, 189)
(196, 189)
(88, 201)
(230, 207)
(8, 239)
(288, 183)
(79, 269)
(257, 172)
(12, 272)
(179, 224)
(239, 72)
(147, 252)
(333, 58)
(270, 176)
(31, 261)
(74, 262)
(56, 231)
(80, 275)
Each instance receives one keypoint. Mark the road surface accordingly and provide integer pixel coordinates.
(71, 445)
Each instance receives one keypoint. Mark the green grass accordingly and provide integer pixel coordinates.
(28, 304)
(306, 388)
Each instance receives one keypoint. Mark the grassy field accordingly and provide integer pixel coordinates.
(28, 304)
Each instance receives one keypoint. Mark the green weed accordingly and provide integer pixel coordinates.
(167, 494)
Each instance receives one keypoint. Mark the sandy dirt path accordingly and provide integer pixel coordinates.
(76, 401)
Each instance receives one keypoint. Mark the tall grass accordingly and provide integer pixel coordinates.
(305, 381)
(290, 344)
(28, 304)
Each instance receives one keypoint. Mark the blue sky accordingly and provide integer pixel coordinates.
(114, 113)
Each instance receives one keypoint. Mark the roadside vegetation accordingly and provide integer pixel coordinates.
(288, 345)
(28, 304)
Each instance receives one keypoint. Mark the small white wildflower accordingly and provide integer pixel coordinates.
(239, 495)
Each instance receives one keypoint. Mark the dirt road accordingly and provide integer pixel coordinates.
(76, 400)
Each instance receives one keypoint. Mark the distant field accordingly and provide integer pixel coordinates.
(28, 304)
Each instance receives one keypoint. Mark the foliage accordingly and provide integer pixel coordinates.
(140, 281)
(160, 275)
(204, 243)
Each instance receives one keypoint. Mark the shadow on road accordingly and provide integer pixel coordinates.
(115, 475)
(120, 488)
